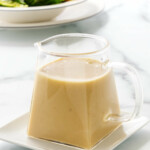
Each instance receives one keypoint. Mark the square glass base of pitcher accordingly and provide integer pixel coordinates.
(83, 141)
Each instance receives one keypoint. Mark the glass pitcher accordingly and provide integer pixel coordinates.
(75, 99)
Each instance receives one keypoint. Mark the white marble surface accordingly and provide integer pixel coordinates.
(127, 27)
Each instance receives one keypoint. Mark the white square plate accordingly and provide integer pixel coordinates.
(15, 132)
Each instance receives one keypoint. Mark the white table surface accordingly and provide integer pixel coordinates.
(127, 27)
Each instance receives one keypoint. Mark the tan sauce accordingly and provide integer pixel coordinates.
(71, 101)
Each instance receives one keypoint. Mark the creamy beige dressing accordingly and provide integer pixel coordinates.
(71, 101)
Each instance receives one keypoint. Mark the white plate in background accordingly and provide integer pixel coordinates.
(73, 13)
(34, 13)
(15, 132)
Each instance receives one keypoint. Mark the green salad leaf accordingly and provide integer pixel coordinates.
(12, 3)
(42, 2)
(26, 3)
(20, 1)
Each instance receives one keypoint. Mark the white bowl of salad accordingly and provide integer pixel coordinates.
(28, 11)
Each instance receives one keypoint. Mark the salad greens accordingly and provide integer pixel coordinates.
(42, 2)
(27, 3)
(11, 3)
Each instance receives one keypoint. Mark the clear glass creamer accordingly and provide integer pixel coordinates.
(75, 99)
